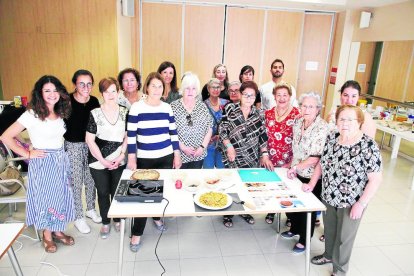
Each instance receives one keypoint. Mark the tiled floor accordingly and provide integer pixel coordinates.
(203, 246)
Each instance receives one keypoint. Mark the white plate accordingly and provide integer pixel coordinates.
(197, 201)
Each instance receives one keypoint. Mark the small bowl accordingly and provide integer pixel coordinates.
(192, 185)
(286, 203)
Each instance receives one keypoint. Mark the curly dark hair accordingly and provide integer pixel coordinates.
(62, 108)
(134, 72)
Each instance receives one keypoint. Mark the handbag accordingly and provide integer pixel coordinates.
(10, 187)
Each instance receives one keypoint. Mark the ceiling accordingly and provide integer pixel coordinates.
(318, 5)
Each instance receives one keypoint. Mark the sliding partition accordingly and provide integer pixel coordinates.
(196, 37)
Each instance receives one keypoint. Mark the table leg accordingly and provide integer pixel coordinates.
(382, 140)
(308, 243)
(395, 147)
(278, 217)
(14, 262)
(412, 184)
(121, 247)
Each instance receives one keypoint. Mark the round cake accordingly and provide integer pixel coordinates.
(145, 175)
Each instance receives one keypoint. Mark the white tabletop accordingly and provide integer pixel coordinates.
(8, 233)
(181, 201)
(407, 135)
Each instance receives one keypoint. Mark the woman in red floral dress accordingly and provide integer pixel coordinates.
(279, 124)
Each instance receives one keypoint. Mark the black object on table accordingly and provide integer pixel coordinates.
(10, 115)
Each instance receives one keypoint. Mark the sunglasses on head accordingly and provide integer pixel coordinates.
(189, 121)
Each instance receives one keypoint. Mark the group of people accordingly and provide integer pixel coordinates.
(77, 141)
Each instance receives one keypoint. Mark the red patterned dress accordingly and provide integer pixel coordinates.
(280, 136)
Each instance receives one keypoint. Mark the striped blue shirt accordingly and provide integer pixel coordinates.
(152, 132)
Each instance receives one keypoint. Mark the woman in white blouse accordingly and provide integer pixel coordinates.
(49, 195)
(107, 142)
(309, 135)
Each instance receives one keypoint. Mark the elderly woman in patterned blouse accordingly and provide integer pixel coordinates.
(194, 123)
(351, 173)
(309, 135)
(243, 137)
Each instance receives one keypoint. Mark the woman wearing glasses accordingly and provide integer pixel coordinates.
(130, 81)
(243, 137)
(247, 74)
(220, 73)
(194, 123)
(309, 135)
(215, 106)
(152, 142)
(82, 103)
(351, 173)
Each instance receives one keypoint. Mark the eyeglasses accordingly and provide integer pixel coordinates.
(249, 96)
(342, 120)
(129, 80)
(308, 106)
(83, 85)
(189, 121)
(215, 87)
(234, 91)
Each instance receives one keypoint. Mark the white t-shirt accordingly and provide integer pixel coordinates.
(268, 100)
(47, 134)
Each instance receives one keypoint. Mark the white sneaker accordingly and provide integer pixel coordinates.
(92, 214)
(82, 226)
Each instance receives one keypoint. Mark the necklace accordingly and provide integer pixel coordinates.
(215, 105)
(306, 127)
(278, 117)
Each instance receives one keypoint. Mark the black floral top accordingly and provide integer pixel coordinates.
(345, 169)
(246, 135)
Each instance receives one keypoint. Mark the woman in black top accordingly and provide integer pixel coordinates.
(82, 103)
(169, 75)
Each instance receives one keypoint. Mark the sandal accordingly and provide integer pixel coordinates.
(320, 260)
(49, 245)
(248, 218)
(270, 218)
(228, 222)
(65, 239)
(322, 238)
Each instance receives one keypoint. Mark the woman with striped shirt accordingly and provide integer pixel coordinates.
(152, 141)
(49, 196)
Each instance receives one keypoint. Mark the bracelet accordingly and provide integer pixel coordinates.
(265, 153)
(229, 145)
(201, 146)
(363, 203)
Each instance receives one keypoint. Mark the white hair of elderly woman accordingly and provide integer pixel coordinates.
(311, 94)
(189, 79)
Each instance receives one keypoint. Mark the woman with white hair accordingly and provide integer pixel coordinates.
(194, 123)
(309, 135)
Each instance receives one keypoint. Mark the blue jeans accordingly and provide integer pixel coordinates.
(213, 159)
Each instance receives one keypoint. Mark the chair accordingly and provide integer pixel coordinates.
(20, 195)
